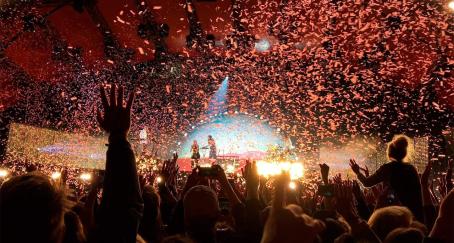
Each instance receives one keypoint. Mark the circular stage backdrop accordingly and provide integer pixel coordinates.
(239, 135)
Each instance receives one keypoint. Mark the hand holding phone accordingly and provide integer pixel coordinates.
(206, 171)
(326, 190)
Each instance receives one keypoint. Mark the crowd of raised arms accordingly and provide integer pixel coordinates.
(394, 204)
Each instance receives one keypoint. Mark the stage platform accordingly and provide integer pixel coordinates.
(224, 161)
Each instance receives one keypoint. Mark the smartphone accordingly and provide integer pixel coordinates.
(206, 171)
(326, 190)
(224, 204)
(101, 174)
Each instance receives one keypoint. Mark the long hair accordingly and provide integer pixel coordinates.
(398, 148)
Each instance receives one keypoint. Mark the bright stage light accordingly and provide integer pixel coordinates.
(218, 101)
(292, 185)
(267, 169)
(230, 169)
(3, 173)
(85, 176)
(143, 134)
(451, 5)
(262, 45)
(56, 175)
(159, 179)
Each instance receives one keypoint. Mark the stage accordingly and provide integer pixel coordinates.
(238, 137)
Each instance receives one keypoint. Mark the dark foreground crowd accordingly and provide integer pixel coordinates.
(396, 205)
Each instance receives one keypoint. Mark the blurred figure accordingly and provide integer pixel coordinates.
(405, 235)
(385, 220)
(195, 154)
(32, 210)
(150, 225)
(212, 145)
(286, 223)
(74, 230)
(201, 211)
(443, 229)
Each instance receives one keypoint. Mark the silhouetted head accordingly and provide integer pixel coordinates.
(333, 229)
(201, 211)
(32, 210)
(177, 239)
(397, 148)
(150, 225)
(74, 231)
(405, 235)
(385, 220)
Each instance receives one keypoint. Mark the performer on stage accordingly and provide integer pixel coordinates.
(212, 145)
(195, 153)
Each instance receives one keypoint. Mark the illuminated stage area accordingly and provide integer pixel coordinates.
(239, 135)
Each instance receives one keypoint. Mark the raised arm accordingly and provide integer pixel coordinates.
(286, 224)
(448, 178)
(359, 228)
(252, 225)
(121, 204)
(430, 212)
(324, 170)
(225, 185)
(368, 181)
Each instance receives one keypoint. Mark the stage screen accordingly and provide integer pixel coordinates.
(364, 151)
(240, 135)
(40, 145)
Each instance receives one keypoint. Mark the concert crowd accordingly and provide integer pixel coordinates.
(123, 204)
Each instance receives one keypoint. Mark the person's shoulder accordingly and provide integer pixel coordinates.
(396, 165)
(399, 164)
(413, 170)
(409, 166)
(388, 165)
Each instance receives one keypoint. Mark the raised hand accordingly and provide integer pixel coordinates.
(142, 181)
(64, 176)
(366, 170)
(252, 178)
(219, 174)
(87, 214)
(354, 166)
(449, 183)
(378, 190)
(357, 190)
(425, 175)
(344, 200)
(169, 172)
(221, 177)
(287, 225)
(337, 179)
(116, 118)
(191, 181)
(324, 170)
(442, 187)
